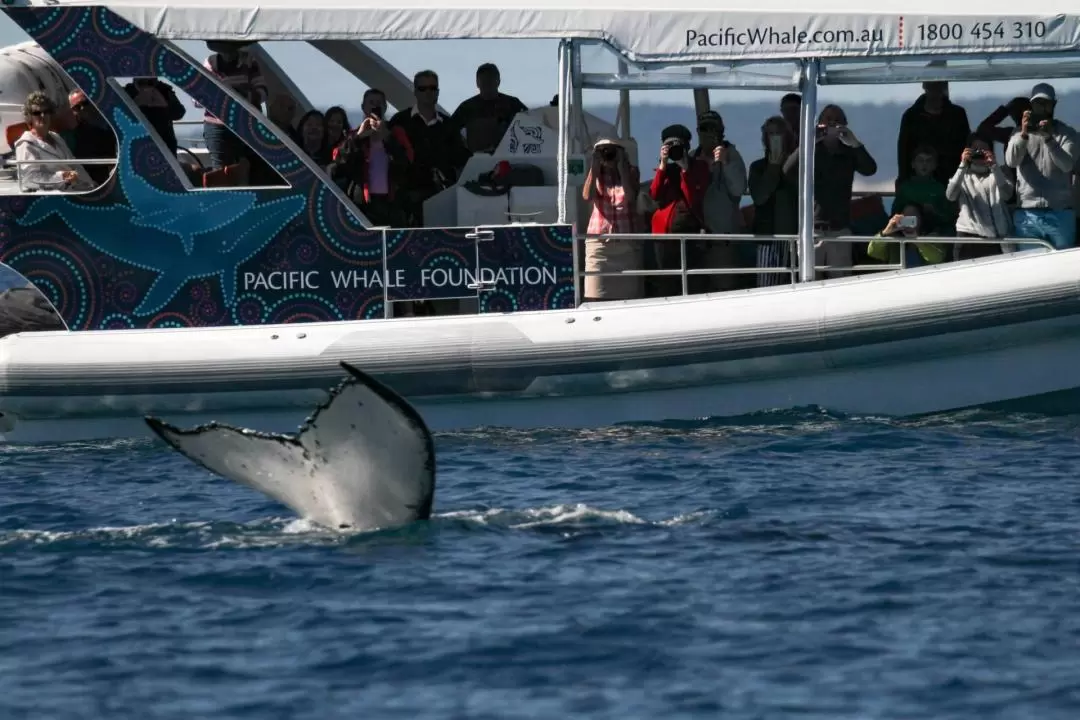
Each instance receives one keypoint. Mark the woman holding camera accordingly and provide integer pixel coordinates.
(910, 224)
(774, 188)
(678, 188)
(981, 188)
(611, 187)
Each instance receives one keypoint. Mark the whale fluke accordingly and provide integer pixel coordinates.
(364, 460)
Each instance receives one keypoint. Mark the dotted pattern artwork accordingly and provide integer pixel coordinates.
(144, 251)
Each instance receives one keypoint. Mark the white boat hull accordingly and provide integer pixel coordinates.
(904, 343)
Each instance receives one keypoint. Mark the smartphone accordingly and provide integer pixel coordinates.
(909, 221)
(776, 145)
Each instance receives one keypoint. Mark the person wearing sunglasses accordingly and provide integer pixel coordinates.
(39, 142)
(439, 151)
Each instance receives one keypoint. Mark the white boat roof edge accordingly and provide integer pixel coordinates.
(691, 30)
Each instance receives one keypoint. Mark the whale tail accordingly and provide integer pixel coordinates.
(364, 460)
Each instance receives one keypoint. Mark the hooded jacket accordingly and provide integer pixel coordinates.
(47, 176)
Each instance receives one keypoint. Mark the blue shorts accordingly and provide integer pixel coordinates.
(1058, 227)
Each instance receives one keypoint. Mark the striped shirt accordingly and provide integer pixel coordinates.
(244, 76)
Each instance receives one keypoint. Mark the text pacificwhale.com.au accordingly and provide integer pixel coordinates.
(791, 36)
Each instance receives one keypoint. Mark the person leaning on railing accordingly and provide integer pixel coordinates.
(612, 188)
(910, 223)
(982, 190)
(40, 143)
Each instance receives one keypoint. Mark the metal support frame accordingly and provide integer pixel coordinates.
(807, 144)
(563, 145)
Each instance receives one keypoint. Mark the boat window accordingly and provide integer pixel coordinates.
(202, 149)
(79, 155)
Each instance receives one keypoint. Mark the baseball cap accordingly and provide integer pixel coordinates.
(1044, 91)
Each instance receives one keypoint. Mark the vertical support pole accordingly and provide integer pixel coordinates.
(563, 145)
(624, 105)
(807, 145)
(701, 95)
(580, 134)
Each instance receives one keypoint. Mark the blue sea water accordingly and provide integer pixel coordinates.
(776, 566)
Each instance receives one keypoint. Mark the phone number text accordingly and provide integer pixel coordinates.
(983, 31)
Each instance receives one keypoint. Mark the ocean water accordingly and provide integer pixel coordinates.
(781, 565)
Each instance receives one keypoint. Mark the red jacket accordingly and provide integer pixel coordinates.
(352, 158)
(690, 191)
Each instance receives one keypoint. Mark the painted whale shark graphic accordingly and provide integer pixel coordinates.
(364, 460)
(221, 229)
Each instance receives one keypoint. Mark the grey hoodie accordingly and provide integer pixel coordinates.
(47, 176)
(1044, 166)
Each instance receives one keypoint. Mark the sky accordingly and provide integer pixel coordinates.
(529, 71)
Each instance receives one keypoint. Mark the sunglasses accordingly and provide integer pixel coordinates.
(40, 113)
(425, 88)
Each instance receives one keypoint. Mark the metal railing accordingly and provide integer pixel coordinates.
(58, 184)
(791, 269)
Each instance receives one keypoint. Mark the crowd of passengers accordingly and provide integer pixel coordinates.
(950, 182)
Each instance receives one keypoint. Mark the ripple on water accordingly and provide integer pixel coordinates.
(789, 563)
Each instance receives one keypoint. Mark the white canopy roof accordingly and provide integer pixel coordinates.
(684, 30)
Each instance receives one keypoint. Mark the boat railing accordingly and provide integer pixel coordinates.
(56, 161)
(792, 269)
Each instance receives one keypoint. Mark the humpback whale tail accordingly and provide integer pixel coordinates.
(364, 460)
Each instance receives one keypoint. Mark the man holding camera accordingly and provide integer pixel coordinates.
(1043, 152)
(720, 206)
(678, 189)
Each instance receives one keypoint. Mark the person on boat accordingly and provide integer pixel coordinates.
(838, 155)
(910, 223)
(611, 187)
(933, 119)
(40, 143)
(439, 152)
(774, 188)
(923, 188)
(982, 190)
(372, 164)
(1012, 110)
(280, 110)
(678, 189)
(1043, 152)
(791, 110)
(337, 125)
(158, 103)
(486, 116)
(237, 69)
(92, 138)
(312, 132)
(720, 206)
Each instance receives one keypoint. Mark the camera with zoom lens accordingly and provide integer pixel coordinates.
(608, 152)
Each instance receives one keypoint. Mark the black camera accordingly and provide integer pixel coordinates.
(608, 152)
(676, 151)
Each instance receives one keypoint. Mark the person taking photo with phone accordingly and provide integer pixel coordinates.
(774, 188)
(1043, 152)
(909, 224)
(838, 155)
(982, 190)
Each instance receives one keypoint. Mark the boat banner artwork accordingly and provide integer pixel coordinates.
(146, 250)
